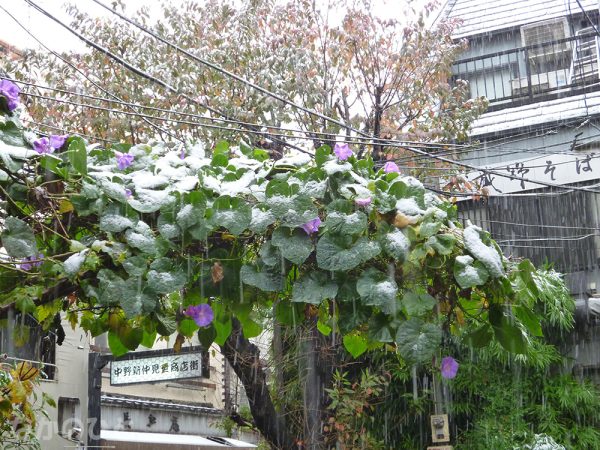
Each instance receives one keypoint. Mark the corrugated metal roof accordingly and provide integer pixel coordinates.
(130, 401)
(536, 114)
(483, 16)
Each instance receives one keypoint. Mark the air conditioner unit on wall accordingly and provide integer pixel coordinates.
(545, 32)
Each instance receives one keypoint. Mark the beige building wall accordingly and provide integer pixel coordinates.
(69, 391)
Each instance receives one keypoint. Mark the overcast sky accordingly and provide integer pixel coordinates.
(49, 32)
(57, 38)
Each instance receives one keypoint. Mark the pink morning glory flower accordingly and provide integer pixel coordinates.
(390, 166)
(45, 146)
(363, 201)
(31, 261)
(312, 226)
(124, 160)
(11, 92)
(342, 151)
(202, 314)
(449, 367)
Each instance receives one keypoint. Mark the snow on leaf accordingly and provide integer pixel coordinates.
(114, 223)
(149, 201)
(73, 263)
(396, 244)
(260, 220)
(469, 273)
(377, 289)
(334, 166)
(487, 254)
(295, 245)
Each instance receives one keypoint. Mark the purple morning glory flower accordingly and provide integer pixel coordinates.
(31, 261)
(342, 151)
(45, 146)
(11, 92)
(182, 154)
(57, 140)
(128, 193)
(312, 226)
(202, 314)
(449, 367)
(42, 146)
(363, 201)
(390, 166)
(124, 160)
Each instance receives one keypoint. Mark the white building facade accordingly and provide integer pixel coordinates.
(537, 63)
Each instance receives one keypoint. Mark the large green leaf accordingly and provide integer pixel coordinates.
(338, 222)
(207, 335)
(378, 289)
(234, 215)
(379, 328)
(18, 239)
(529, 319)
(332, 255)
(418, 304)
(313, 288)
(135, 266)
(356, 344)
(294, 244)
(480, 337)
(223, 328)
(418, 340)
(265, 280)
(11, 133)
(166, 282)
(117, 348)
(443, 244)
(293, 211)
(78, 155)
(506, 330)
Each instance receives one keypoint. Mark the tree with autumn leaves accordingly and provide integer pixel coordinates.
(386, 78)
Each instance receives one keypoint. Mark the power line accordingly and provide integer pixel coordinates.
(257, 132)
(355, 140)
(64, 131)
(162, 119)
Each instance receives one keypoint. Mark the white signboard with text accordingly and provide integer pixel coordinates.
(156, 368)
(555, 169)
